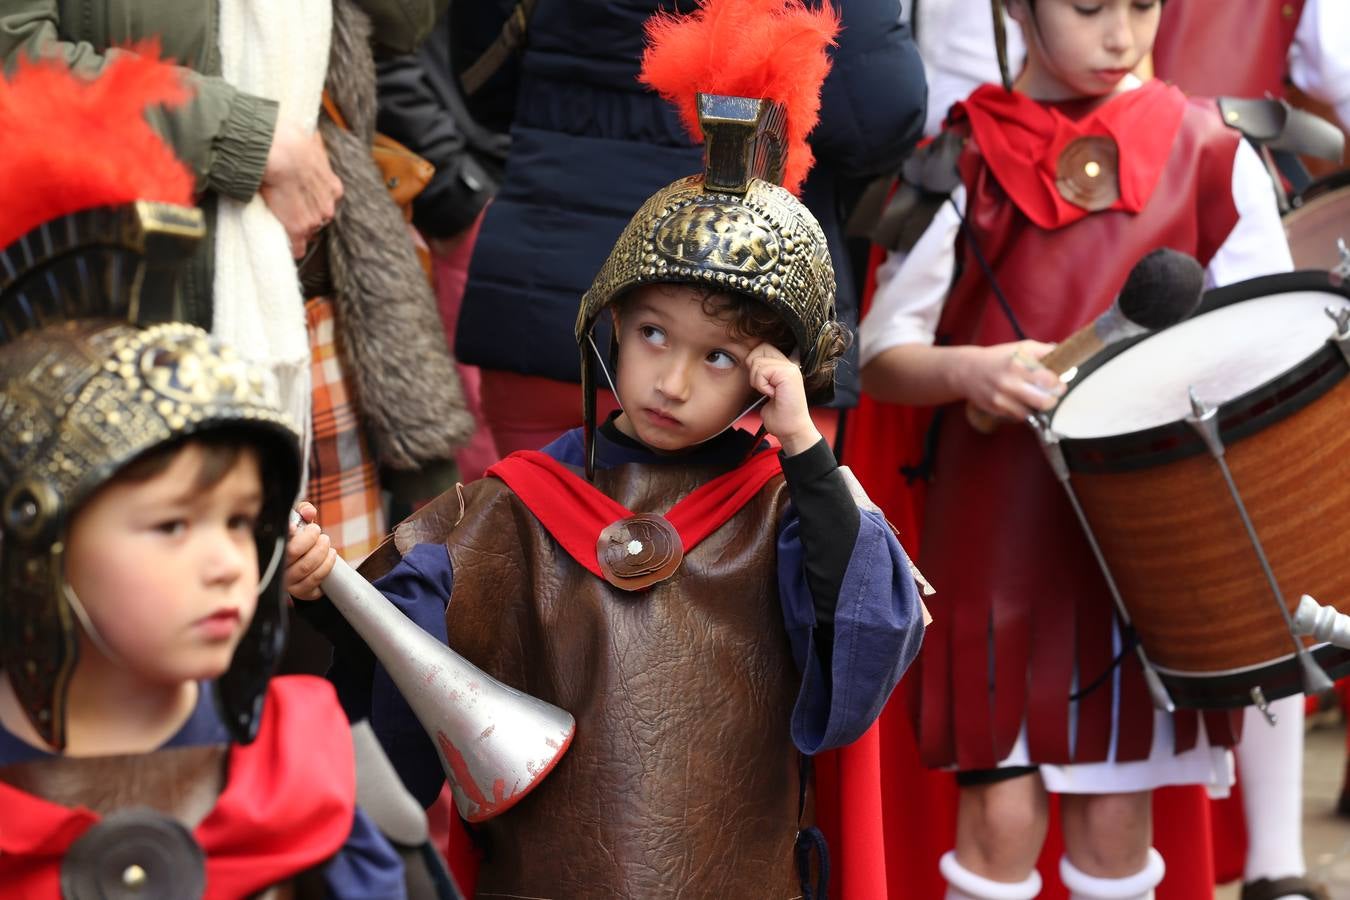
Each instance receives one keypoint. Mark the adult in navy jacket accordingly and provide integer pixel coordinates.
(589, 144)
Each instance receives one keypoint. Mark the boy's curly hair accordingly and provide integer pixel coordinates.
(749, 317)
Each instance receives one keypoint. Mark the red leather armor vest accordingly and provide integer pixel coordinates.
(1219, 48)
(1017, 583)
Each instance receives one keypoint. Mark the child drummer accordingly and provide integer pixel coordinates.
(710, 609)
(1064, 183)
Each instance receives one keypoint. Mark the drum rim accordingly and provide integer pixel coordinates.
(1241, 416)
(1277, 678)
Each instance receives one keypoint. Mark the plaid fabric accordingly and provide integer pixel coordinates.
(343, 480)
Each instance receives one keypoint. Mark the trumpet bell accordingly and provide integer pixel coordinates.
(496, 743)
(499, 745)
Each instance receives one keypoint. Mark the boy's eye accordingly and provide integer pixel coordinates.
(721, 359)
(171, 527)
(243, 522)
(1087, 10)
(652, 335)
(1145, 5)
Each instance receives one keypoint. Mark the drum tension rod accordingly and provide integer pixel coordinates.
(1263, 705)
(1342, 269)
(1341, 319)
(1205, 420)
(1055, 454)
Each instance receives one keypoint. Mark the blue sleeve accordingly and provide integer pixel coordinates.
(878, 626)
(420, 587)
(366, 866)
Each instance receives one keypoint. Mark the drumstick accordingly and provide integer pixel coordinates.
(1163, 288)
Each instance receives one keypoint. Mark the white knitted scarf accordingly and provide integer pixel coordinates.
(278, 51)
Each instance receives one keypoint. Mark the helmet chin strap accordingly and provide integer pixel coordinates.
(754, 404)
(88, 625)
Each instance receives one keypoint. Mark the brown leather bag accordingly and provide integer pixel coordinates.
(405, 173)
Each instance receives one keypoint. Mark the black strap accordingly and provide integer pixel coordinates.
(809, 839)
(1129, 639)
(509, 40)
(989, 274)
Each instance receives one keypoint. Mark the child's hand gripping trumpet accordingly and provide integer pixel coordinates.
(495, 743)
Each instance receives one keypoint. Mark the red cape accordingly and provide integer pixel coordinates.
(888, 818)
(287, 806)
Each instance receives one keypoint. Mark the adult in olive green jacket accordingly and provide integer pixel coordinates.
(229, 139)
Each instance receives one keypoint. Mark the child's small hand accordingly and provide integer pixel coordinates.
(786, 415)
(1007, 380)
(309, 556)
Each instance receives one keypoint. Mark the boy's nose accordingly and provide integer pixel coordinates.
(674, 381)
(226, 560)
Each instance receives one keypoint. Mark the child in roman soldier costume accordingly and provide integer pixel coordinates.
(146, 473)
(712, 609)
(1042, 200)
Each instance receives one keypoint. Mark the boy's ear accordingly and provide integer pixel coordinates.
(614, 319)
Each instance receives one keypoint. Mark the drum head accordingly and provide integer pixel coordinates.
(1223, 354)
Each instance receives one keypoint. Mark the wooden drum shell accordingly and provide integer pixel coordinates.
(1177, 549)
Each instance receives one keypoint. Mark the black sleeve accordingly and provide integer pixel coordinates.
(419, 107)
(353, 678)
(828, 520)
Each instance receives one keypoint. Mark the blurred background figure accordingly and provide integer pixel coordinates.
(588, 144)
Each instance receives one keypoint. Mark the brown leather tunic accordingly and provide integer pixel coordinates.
(1018, 585)
(682, 779)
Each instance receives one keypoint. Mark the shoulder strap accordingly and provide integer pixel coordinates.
(927, 179)
(509, 41)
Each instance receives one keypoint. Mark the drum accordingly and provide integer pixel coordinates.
(1320, 217)
(1159, 502)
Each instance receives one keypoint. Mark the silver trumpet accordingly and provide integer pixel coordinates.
(1324, 623)
(495, 743)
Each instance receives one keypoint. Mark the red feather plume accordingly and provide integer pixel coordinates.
(775, 49)
(69, 143)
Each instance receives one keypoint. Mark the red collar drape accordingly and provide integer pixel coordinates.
(1021, 139)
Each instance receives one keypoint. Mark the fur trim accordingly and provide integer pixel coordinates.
(390, 332)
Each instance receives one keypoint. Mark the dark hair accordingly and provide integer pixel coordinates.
(220, 452)
(751, 318)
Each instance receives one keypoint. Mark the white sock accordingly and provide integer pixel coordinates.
(963, 884)
(1138, 886)
(1270, 765)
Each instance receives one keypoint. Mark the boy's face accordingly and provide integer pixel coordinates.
(168, 571)
(1083, 48)
(682, 376)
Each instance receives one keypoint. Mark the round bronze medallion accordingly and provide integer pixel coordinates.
(1087, 174)
(639, 551)
(134, 854)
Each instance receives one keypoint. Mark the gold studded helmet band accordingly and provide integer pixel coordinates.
(79, 401)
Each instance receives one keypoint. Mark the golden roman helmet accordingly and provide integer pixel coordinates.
(81, 398)
(732, 228)
(94, 372)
